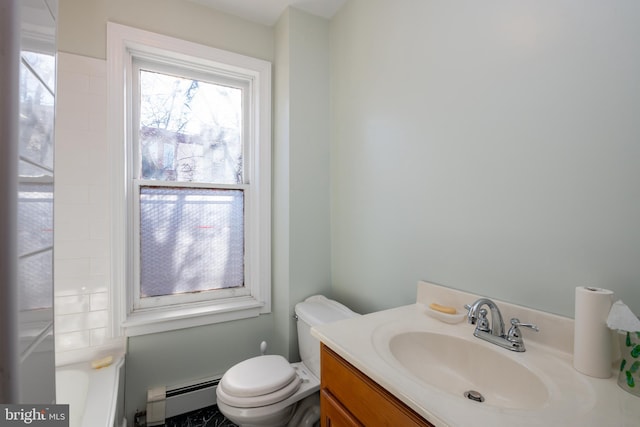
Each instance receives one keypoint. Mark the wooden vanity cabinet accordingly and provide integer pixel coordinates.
(348, 398)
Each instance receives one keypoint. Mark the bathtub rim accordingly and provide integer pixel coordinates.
(102, 400)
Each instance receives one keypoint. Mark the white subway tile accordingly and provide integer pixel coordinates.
(96, 67)
(99, 248)
(68, 286)
(73, 63)
(99, 266)
(100, 229)
(97, 123)
(76, 119)
(72, 194)
(73, 105)
(98, 283)
(82, 211)
(82, 248)
(72, 340)
(99, 301)
(70, 139)
(71, 82)
(99, 203)
(98, 87)
(101, 172)
(75, 143)
(73, 166)
(77, 267)
(81, 321)
(96, 319)
(68, 229)
(71, 211)
(70, 322)
(98, 336)
(72, 304)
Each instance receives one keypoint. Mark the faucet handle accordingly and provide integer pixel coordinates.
(483, 322)
(516, 322)
(514, 335)
(471, 318)
(480, 318)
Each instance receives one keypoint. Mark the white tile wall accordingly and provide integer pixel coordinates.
(81, 270)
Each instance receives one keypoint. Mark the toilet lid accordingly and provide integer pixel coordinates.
(258, 376)
(258, 401)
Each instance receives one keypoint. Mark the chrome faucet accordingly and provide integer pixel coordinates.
(494, 331)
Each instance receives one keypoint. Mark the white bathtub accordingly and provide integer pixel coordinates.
(95, 396)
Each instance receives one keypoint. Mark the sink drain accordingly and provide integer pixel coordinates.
(474, 395)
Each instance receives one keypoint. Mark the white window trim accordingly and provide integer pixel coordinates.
(123, 43)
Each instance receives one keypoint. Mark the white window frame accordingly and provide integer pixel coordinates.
(125, 45)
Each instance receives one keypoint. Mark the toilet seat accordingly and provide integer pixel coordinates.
(259, 381)
(254, 393)
(257, 401)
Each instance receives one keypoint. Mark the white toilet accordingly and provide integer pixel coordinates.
(268, 391)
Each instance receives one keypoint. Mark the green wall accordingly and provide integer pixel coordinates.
(83, 24)
(488, 146)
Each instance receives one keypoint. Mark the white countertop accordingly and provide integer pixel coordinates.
(574, 399)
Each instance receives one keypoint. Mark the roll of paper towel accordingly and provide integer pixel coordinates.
(592, 343)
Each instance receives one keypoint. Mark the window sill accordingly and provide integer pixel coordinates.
(187, 316)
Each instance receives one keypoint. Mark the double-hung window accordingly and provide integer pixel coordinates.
(192, 216)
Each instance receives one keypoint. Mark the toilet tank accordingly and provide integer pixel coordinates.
(316, 310)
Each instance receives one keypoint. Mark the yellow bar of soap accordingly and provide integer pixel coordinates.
(442, 308)
(101, 363)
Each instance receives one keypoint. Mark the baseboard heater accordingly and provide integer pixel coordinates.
(168, 402)
(187, 398)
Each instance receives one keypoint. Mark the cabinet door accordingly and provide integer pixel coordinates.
(363, 398)
(334, 414)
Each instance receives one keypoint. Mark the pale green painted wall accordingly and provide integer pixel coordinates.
(309, 179)
(83, 25)
(488, 146)
(301, 162)
(281, 232)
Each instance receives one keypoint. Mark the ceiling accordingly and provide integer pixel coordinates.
(267, 12)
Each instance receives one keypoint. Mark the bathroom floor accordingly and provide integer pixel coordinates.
(205, 417)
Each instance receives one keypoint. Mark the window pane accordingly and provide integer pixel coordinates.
(36, 120)
(35, 217)
(190, 130)
(26, 169)
(44, 65)
(35, 278)
(191, 240)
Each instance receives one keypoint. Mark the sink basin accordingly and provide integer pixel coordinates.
(457, 365)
